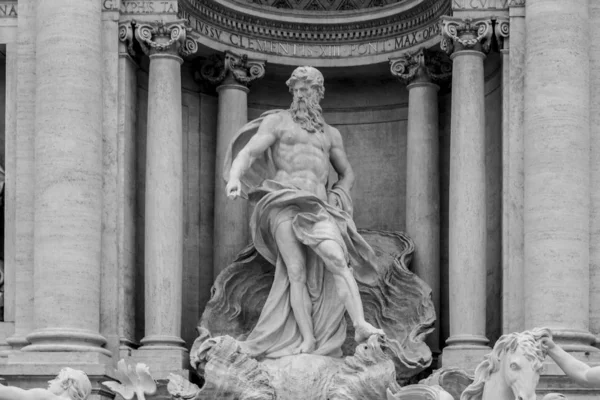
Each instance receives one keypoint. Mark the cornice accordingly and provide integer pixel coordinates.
(338, 29)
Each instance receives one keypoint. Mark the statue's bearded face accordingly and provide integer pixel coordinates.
(305, 108)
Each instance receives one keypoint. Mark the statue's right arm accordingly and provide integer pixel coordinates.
(265, 136)
(577, 370)
(15, 393)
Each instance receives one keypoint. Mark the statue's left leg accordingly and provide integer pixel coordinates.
(333, 257)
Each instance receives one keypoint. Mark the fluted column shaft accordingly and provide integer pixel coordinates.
(557, 170)
(68, 177)
(466, 41)
(232, 73)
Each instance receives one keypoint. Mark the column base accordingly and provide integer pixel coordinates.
(163, 360)
(464, 356)
(59, 340)
(33, 370)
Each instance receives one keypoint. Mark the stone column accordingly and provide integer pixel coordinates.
(557, 170)
(232, 73)
(418, 71)
(24, 173)
(68, 178)
(467, 40)
(162, 344)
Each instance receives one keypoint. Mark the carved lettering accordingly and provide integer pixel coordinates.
(479, 4)
(287, 49)
(143, 7)
(8, 10)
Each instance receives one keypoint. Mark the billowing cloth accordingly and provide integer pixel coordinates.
(276, 333)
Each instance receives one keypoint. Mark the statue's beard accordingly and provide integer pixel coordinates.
(308, 114)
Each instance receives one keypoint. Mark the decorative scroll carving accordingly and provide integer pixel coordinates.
(421, 66)
(502, 31)
(159, 36)
(126, 35)
(239, 67)
(466, 34)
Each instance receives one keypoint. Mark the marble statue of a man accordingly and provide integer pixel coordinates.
(68, 384)
(281, 162)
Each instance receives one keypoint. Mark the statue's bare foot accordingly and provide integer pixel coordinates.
(307, 346)
(362, 332)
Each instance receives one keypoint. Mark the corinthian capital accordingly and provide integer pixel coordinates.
(165, 37)
(421, 66)
(238, 67)
(466, 34)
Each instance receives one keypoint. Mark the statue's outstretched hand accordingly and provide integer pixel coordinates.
(234, 188)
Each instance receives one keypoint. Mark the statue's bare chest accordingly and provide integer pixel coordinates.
(296, 137)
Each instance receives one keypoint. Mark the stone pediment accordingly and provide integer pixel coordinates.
(325, 37)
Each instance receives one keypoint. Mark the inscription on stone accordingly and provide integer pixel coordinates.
(8, 9)
(141, 7)
(291, 49)
(479, 4)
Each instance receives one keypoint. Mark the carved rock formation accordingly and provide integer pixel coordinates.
(399, 303)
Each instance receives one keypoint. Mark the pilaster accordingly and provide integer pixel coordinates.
(233, 74)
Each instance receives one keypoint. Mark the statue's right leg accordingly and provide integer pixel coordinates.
(293, 254)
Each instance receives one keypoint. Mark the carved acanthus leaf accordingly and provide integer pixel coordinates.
(466, 34)
(170, 37)
(421, 66)
(242, 69)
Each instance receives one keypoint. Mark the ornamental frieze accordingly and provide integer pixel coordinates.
(221, 28)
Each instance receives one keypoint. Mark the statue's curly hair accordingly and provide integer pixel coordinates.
(313, 76)
(76, 383)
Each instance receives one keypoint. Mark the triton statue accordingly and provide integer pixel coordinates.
(301, 227)
(69, 384)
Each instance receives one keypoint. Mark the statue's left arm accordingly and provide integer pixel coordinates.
(339, 160)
